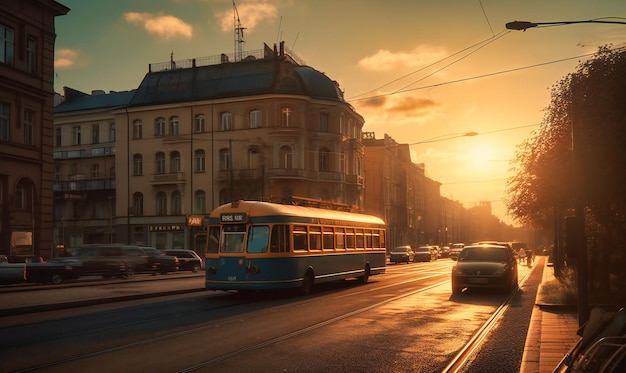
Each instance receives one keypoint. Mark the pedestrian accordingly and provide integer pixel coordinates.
(522, 255)
(530, 256)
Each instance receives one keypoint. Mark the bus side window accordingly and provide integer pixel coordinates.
(213, 239)
(328, 238)
(279, 241)
(360, 242)
(299, 238)
(258, 238)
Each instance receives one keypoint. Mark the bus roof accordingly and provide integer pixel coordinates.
(259, 208)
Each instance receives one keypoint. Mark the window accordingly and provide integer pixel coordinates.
(29, 127)
(76, 135)
(315, 238)
(226, 122)
(323, 122)
(137, 165)
(200, 161)
(58, 175)
(7, 47)
(299, 238)
(324, 160)
(224, 159)
(199, 124)
(159, 164)
(138, 204)
(340, 238)
(161, 203)
(5, 116)
(280, 239)
(258, 239)
(287, 114)
(175, 164)
(199, 206)
(255, 118)
(253, 158)
(137, 129)
(24, 194)
(285, 157)
(112, 132)
(95, 171)
(95, 133)
(177, 205)
(57, 136)
(328, 238)
(174, 126)
(112, 172)
(31, 55)
(159, 127)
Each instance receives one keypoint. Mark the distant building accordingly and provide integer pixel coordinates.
(26, 122)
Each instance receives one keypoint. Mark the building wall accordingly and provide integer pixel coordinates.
(26, 99)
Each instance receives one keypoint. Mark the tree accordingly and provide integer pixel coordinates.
(593, 98)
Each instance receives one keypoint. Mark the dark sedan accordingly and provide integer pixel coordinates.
(401, 254)
(484, 266)
(424, 254)
(50, 273)
(161, 262)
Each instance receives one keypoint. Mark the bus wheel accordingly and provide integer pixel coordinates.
(307, 283)
(366, 274)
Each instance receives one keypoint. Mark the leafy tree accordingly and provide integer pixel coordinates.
(593, 100)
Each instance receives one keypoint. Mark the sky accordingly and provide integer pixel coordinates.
(423, 72)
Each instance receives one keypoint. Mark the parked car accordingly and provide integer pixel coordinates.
(161, 262)
(401, 254)
(484, 266)
(455, 249)
(188, 260)
(425, 254)
(50, 273)
(107, 260)
(445, 252)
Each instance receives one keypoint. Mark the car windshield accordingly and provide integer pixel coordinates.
(400, 250)
(483, 254)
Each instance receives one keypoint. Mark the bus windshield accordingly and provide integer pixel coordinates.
(233, 237)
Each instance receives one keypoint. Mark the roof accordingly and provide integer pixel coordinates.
(238, 79)
(77, 101)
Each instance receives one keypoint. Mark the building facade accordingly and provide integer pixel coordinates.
(200, 133)
(26, 125)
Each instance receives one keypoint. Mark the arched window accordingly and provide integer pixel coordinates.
(24, 195)
(177, 203)
(199, 205)
(137, 129)
(161, 203)
(226, 122)
(138, 204)
(159, 163)
(224, 159)
(285, 157)
(137, 165)
(200, 158)
(199, 124)
(255, 118)
(175, 163)
(253, 158)
(159, 127)
(324, 160)
(174, 126)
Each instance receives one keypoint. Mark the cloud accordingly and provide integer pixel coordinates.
(65, 58)
(410, 105)
(385, 60)
(250, 15)
(164, 26)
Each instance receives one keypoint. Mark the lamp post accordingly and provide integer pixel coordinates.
(524, 25)
(579, 205)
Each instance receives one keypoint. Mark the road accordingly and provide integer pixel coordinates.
(403, 321)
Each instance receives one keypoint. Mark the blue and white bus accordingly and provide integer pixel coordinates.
(254, 245)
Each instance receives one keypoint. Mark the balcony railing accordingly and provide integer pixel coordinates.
(168, 178)
(83, 185)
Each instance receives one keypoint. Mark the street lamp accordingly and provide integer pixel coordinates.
(523, 25)
(445, 137)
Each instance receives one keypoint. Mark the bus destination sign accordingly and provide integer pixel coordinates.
(239, 217)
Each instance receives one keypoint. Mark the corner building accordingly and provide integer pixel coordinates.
(27, 37)
(200, 133)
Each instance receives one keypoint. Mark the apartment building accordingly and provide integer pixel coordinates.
(27, 36)
(203, 132)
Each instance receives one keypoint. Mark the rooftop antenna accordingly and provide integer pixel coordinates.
(238, 34)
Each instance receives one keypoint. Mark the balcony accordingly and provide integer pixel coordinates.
(177, 178)
(83, 185)
(354, 179)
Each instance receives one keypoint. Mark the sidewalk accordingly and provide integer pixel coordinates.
(551, 333)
